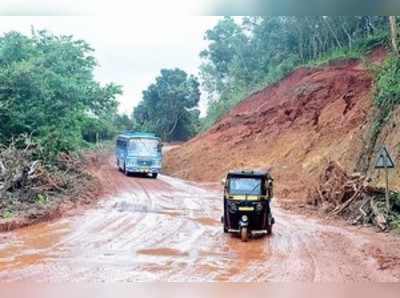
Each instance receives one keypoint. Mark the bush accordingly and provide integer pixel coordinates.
(387, 85)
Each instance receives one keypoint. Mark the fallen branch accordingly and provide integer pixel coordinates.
(351, 196)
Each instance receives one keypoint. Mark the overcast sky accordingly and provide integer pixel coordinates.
(130, 50)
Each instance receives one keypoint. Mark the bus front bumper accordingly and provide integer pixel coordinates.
(143, 170)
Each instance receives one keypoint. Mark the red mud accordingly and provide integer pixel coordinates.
(129, 235)
(294, 127)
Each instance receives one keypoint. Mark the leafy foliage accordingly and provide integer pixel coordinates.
(387, 95)
(388, 88)
(169, 106)
(242, 58)
(48, 91)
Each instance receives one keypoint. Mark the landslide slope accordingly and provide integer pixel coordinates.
(294, 127)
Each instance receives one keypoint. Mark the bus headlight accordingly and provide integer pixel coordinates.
(157, 163)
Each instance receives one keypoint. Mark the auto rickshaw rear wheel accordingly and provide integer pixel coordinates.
(244, 235)
(224, 225)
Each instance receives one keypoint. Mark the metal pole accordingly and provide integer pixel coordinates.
(387, 189)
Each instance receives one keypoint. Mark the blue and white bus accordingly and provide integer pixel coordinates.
(139, 152)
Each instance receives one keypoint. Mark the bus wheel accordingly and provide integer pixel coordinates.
(154, 175)
(126, 170)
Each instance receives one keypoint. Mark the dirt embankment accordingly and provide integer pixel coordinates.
(294, 127)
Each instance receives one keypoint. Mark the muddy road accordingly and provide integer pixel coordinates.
(168, 230)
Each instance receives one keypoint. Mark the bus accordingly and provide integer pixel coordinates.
(139, 152)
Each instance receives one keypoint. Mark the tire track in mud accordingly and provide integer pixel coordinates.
(168, 229)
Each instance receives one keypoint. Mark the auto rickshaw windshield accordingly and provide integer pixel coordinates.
(242, 186)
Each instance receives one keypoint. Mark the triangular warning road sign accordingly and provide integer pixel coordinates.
(384, 160)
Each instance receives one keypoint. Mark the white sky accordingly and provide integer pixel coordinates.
(130, 50)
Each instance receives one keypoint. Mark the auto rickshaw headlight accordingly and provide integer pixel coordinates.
(233, 207)
(245, 218)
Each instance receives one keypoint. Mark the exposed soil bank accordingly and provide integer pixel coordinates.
(294, 127)
(88, 192)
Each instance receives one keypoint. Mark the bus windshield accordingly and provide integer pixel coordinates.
(142, 146)
(242, 186)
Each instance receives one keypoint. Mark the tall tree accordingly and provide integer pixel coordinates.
(394, 34)
(169, 105)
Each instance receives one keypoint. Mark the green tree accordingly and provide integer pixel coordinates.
(169, 106)
(47, 90)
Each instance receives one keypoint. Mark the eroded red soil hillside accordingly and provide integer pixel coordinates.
(294, 127)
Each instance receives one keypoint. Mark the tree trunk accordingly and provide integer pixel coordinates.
(338, 43)
(393, 33)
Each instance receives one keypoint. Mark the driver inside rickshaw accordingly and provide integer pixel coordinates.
(245, 186)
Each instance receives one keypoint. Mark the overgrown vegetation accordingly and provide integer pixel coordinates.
(386, 99)
(29, 184)
(388, 88)
(50, 107)
(242, 58)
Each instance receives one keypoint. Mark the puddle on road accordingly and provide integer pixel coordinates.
(162, 251)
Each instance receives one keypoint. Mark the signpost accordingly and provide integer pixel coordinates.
(385, 161)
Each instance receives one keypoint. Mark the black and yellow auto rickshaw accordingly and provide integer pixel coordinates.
(247, 197)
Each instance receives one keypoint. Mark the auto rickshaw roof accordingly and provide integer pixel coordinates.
(249, 173)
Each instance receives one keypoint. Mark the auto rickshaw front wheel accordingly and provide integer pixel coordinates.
(244, 234)
(271, 222)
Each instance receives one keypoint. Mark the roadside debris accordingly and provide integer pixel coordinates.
(353, 197)
(27, 183)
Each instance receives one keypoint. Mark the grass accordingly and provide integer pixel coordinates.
(7, 214)
(42, 199)
(337, 54)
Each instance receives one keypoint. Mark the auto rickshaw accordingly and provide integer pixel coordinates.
(247, 197)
